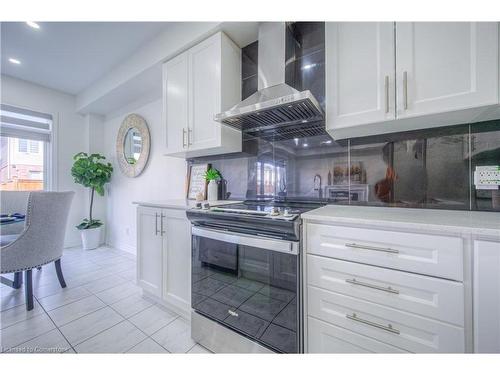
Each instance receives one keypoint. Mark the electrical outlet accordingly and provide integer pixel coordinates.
(487, 177)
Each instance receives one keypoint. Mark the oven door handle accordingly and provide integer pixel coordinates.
(282, 246)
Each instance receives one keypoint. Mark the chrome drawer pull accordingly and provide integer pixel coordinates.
(374, 248)
(161, 224)
(184, 138)
(405, 90)
(386, 84)
(360, 283)
(387, 328)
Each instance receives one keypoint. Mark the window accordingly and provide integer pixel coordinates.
(34, 147)
(25, 149)
(22, 145)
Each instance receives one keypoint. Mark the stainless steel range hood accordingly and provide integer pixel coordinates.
(275, 105)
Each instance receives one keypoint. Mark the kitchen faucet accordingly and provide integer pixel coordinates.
(317, 185)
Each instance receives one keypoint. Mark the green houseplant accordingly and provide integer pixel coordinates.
(92, 172)
(212, 175)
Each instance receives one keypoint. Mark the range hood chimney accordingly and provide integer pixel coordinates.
(276, 107)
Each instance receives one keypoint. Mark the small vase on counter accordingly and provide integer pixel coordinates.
(213, 189)
(212, 175)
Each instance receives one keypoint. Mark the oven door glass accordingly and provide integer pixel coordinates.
(248, 289)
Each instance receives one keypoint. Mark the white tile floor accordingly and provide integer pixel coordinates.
(100, 311)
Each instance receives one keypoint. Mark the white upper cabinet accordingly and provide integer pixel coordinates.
(198, 84)
(205, 82)
(445, 66)
(360, 73)
(175, 95)
(389, 77)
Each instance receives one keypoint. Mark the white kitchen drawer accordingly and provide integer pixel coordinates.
(440, 256)
(394, 327)
(327, 338)
(428, 296)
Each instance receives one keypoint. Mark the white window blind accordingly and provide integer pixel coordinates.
(23, 123)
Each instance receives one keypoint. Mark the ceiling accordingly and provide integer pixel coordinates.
(70, 56)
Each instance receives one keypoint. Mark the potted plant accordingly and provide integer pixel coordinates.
(212, 175)
(89, 171)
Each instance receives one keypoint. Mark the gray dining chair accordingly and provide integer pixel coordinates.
(41, 240)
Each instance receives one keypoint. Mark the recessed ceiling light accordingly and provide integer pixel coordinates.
(14, 61)
(33, 24)
(305, 145)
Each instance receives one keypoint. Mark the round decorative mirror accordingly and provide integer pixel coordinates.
(132, 145)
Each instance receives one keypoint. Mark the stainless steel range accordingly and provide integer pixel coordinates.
(245, 277)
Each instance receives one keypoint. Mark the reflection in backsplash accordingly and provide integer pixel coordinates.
(484, 150)
(428, 168)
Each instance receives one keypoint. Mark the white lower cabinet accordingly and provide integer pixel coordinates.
(328, 338)
(164, 256)
(427, 296)
(379, 290)
(177, 260)
(406, 331)
(149, 251)
(486, 296)
(433, 255)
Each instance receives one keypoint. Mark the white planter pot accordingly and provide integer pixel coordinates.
(91, 238)
(213, 189)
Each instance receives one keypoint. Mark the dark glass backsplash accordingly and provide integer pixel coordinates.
(427, 168)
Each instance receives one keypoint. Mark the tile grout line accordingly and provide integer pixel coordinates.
(138, 312)
(149, 335)
(98, 333)
(57, 327)
(178, 317)
(64, 304)
(76, 261)
(83, 316)
(124, 319)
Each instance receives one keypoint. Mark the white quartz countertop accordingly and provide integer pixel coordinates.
(469, 222)
(180, 204)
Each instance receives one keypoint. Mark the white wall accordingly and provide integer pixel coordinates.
(70, 131)
(94, 125)
(163, 178)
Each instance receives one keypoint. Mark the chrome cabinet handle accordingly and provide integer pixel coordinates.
(405, 90)
(190, 137)
(184, 137)
(386, 83)
(374, 248)
(366, 285)
(161, 224)
(156, 223)
(387, 328)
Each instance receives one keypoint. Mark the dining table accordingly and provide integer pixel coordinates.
(11, 224)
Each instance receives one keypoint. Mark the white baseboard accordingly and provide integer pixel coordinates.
(122, 246)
